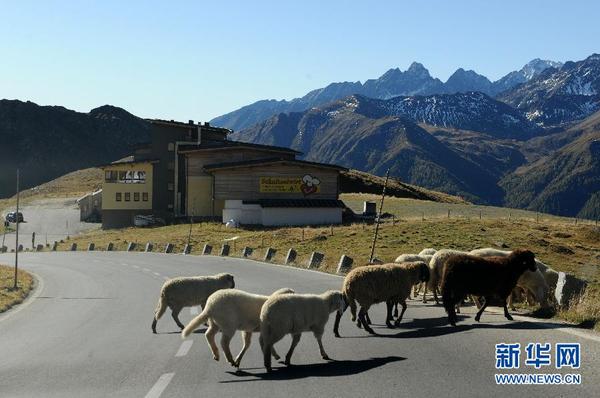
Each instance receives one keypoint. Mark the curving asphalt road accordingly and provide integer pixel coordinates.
(86, 332)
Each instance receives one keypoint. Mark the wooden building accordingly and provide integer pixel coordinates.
(192, 170)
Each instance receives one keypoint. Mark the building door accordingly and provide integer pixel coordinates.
(199, 196)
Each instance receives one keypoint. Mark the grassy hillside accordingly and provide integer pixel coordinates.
(75, 184)
(45, 142)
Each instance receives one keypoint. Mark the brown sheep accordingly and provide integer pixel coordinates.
(389, 283)
(487, 277)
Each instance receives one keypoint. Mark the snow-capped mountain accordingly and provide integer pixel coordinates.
(467, 111)
(559, 95)
(532, 69)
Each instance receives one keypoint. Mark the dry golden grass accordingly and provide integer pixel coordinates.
(585, 309)
(10, 297)
(564, 247)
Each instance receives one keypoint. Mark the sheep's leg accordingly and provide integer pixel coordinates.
(397, 323)
(450, 305)
(435, 294)
(396, 310)
(486, 300)
(295, 340)
(174, 313)
(368, 318)
(210, 338)
(388, 319)
(336, 325)
(506, 314)
(362, 317)
(318, 335)
(225, 340)
(274, 353)
(417, 289)
(511, 302)
(267, 355)
(425, 293)
(246, 339)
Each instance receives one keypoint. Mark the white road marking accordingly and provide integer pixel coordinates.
(135, 266)
(147, 270)
(184, 348)
(194, 310)
(124, 264)
(160, 385)
(156, 273)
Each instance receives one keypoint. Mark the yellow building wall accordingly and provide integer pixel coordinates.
(199, 196)
(110, 189)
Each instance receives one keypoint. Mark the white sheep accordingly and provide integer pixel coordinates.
(228, 311)
(294, 314)
(178, 293)
(427, 252)
(529, 281)
(436, 268)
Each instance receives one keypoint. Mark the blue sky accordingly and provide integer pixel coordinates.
(197, 59)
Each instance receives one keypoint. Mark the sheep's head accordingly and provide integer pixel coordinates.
(229, 280)
(524, 258)
(423, 272)
(337, 301)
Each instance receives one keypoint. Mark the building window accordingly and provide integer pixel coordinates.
(170, 186)
(132, 177)
(171, 147)
(118, 196)
(145, 196)
(136, 196)
(127, 196)
(110, 176)
(170, 206)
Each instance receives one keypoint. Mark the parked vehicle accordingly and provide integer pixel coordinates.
(12, 217)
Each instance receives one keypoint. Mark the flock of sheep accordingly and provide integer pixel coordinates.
(484, 275)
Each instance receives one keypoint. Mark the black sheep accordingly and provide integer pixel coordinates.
(491, 277)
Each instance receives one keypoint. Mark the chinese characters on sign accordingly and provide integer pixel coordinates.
(538, 355)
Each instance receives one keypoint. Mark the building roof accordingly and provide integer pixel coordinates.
(332, 203)
(89, 194)
(189, 124)
(269, 161)
(129, 160)
(218, 145)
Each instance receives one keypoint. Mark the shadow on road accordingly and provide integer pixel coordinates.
(433, 327)
(331, 368)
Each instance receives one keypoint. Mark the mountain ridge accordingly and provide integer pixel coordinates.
(416, 80)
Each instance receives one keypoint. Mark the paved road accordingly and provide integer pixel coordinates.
(50, 219)
(87, 333)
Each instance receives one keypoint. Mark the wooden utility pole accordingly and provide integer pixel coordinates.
(378, 216)
(17, 235)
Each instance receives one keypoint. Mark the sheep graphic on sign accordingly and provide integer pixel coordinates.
(309, 184)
